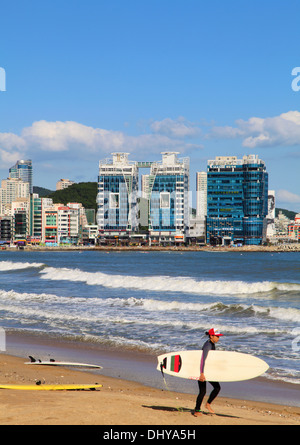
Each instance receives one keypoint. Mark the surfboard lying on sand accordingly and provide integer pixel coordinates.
(58, 387)
(220, 366)
(52, 362)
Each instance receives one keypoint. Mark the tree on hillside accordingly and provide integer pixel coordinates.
(83, 192)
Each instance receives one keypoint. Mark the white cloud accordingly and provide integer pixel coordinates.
(282, 130)
(179, 128)
(45, 139)
(11, 140)
(12, 147)
(62, 136)
(286, 196)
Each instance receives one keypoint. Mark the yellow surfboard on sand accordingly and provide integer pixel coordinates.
(58, 387)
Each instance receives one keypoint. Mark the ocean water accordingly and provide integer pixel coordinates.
(159, 301)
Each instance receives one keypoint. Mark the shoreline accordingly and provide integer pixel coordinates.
(293, 247)
(140, 367)
(119, 402)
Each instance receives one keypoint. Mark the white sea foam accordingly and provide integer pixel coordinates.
(11, 265)
(66, 318)
(167, 283)
(86, 308)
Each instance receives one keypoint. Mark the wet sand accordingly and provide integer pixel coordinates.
(123, 400)
(118, 402)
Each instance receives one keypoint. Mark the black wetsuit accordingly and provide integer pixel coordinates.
(208, 346)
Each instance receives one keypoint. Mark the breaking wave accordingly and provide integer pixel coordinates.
(86, 305)
(167, 283)
(10, 265)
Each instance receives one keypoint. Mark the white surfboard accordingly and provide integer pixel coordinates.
(58, 363)
(220, 366)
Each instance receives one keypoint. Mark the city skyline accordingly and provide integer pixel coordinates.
(202, 79)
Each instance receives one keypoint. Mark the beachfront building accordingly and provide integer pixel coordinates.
(37, 205)
(168, 191)
(90, 234)
(5, 230)
(50, 226)
(20, 210)
(201, 194)
(237, 200)
(197, 229)
(22, 170)
(70, 220)
(11, 189)
(117, 214)
(294, 229)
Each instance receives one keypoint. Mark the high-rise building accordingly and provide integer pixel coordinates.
(22, 170)
(197, 230)
(11, 189)
(37, 205)
(237, 200)
(168, 189)
(117, 214)
(201, 190)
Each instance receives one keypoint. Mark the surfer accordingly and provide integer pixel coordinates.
(209, 345)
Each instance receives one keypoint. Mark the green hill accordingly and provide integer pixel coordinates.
(83, 192)
(288, 213)
(41, 191)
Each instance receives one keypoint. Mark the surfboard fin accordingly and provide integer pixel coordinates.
(33, 360)
(162, 369)
(162, 366)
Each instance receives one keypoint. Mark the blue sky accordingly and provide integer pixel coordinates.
(206, 79)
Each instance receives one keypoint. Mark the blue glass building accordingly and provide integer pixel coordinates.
(22, 170)
(117, 195)
(169, 201)
(237, 200)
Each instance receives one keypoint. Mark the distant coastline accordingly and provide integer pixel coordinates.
(242, 249)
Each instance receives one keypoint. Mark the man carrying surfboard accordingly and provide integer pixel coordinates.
(209, 345)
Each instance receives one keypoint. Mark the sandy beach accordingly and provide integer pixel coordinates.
(118, 402)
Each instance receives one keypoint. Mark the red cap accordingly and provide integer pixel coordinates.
(215, 332)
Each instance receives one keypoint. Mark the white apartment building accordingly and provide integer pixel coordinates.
(63, 184)
(201, 190)
(11, 189)
(61, 224)
(68, 222)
